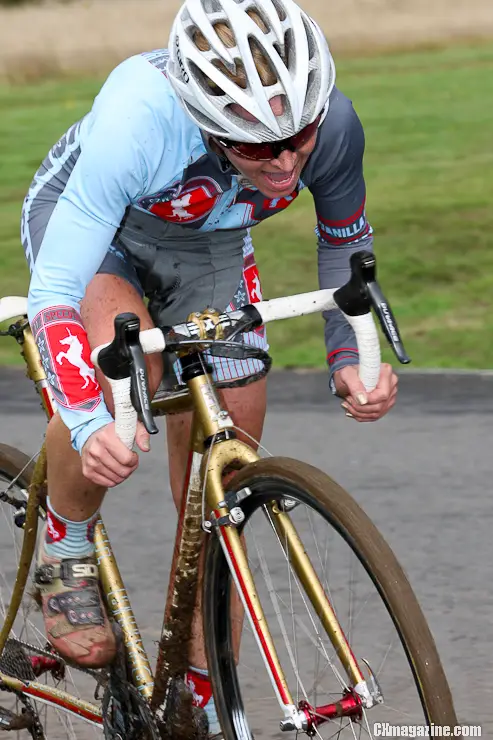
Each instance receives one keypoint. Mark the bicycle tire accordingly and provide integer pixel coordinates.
(16, 465)
(302, 482)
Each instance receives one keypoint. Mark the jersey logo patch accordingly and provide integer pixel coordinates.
(252, 281)
(280, 204)
(251, 278)
(193, 203)
(348, 230)
(65, 355)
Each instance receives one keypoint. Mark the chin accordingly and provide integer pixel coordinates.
(265, 190)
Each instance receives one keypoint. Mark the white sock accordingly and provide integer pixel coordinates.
(67, 539)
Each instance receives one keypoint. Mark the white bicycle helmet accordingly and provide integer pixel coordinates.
(292, 45)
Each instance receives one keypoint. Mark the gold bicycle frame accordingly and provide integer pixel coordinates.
(213, 450)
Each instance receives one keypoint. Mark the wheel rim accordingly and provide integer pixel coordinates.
(29, 636)
(313, 670)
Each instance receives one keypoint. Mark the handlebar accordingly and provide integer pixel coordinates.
(122, 361)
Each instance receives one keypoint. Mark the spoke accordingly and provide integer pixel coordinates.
(323, 563)
(367, 725)
(57, 723)
(13, 482)
(351, 598)
(387, 652)
(275, 604)
(310, 616)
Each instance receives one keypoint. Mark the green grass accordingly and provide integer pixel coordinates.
(429, 172)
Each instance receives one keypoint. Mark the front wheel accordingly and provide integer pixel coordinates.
(368, 591)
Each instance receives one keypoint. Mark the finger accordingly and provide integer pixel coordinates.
(379, 395)
(100, 478)
(367, 417)
(366, 413)
(376, 412)
(113, 446)
(376, 397)
(105, 463)
(353, 385)
(368, 410)
(142, 438)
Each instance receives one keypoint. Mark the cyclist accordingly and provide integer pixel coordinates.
(153, 194)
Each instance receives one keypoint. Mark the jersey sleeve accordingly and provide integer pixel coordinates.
(114, 165)
(339, 191)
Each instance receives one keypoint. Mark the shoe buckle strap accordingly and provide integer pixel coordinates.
(47, 573)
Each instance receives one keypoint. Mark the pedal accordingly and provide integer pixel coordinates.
(11, 722)
(126, 714)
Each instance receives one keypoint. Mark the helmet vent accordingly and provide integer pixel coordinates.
(312, 48)
(264, 67)
(257, 16)
(280, 10)
(208, 85)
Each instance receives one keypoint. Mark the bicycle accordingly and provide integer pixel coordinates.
(256, 530)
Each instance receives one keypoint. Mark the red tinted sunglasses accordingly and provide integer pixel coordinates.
(270, 149)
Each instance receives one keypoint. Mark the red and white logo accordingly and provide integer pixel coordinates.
(74, 357)
(194, 202)
(55, 529)
(91, 528)
(66, 357)
(252, 282)
(200, 688)
(279, 204)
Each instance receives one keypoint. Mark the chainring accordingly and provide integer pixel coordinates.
(126, 714)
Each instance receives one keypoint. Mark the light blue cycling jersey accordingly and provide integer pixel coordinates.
(137, 149)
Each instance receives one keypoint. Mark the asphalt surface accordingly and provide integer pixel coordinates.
(423, 474)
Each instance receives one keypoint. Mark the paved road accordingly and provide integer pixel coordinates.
(423, 474)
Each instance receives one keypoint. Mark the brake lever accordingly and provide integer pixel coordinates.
(362, 292)
(124, 358)
(139, 387)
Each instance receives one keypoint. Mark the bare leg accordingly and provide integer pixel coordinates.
(74, 498)
(247, 408)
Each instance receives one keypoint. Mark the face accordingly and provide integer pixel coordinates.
(278, 177)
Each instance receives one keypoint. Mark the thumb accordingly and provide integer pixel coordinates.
(142, 438)
(355, 387)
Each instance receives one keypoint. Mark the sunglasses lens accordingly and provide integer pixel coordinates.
(253, 151)
(266, 152)
(305, 134)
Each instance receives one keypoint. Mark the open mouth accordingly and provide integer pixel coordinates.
(280, 180)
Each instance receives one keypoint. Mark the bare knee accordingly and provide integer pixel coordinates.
(106, 297)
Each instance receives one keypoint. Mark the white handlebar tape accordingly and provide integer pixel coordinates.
(369, 349)
(295, 305)
(152, 340)
(125, 414)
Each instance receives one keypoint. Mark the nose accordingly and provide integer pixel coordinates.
(286, 161)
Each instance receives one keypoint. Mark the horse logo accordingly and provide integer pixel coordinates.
(256, 291)
(74, 356)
